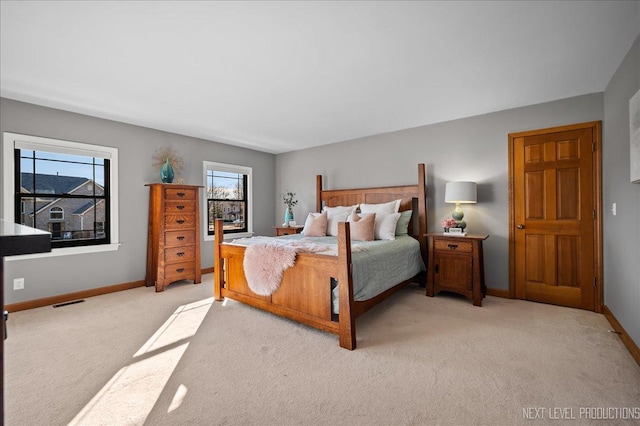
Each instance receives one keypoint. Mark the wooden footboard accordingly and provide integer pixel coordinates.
(304, 294)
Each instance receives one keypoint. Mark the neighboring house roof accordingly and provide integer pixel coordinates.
(85, 208)
(51, 184)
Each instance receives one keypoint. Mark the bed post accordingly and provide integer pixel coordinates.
(218, 270)
(347, 321)
(422, 209)
(318, 193)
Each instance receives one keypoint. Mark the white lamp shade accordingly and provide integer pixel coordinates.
(461, 192)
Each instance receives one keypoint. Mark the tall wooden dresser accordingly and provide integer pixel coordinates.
(173, 242)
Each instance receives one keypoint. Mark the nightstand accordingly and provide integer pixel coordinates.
(456, 265)
(288, 230)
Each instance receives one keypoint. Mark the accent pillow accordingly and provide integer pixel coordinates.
(335, 215)
(381, 208)
(315, 225)
(385, 226)
(362, 228)
(402, 227)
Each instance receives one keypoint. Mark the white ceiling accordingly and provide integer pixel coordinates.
(282, 76)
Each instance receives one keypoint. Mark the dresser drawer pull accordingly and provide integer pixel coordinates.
(452, 246)
(181, 194)
(180, 238)
(180, 270)
(180, 254)
(180, 207)
(180, 221)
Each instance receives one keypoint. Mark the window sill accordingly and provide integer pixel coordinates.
(229, 237)
(65, 252)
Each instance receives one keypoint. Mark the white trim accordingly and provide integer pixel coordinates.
(65, 252)
(230, 168)
(11, 140)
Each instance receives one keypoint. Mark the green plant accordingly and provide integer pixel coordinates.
(289, 199)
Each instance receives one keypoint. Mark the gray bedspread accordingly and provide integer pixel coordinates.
(377, 265)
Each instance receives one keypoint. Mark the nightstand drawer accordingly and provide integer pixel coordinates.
(453, 245)
(288, 230)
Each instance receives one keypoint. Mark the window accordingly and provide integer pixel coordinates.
(55, 213)
(66, 188)
(228, 197)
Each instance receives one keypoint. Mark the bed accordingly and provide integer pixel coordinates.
(307, 288)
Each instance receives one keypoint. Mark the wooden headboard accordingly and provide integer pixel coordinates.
(414, 197)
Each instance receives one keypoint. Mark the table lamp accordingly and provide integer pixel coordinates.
(460, 192)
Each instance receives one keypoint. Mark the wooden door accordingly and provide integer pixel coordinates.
(555, 227)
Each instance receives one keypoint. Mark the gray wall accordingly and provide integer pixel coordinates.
(66, 274)
(472, 149)
(621, 232)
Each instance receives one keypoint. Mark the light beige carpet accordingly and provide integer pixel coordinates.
(177, 358)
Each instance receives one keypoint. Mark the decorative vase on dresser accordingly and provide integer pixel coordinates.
(173, 242)
(166, 172)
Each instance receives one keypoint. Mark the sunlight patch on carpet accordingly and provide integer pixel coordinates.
(178, 398)
(132, 392)
(183, 323)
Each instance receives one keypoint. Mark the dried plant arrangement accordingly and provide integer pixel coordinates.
(160, 158)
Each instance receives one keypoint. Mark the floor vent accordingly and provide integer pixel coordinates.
(59, 305)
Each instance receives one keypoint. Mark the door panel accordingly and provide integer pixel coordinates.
(555, 230)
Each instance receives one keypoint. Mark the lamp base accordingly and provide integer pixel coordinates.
(457, 215)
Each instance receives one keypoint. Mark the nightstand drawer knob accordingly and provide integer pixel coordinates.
(180, 238)
(520, 226)
(180, 207)
(452, 246)
(180, 270)
(181, 194)
(180, 254)
(180, 221)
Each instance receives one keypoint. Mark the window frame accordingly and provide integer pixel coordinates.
(229, 168)
(57, 210)
(9, 143)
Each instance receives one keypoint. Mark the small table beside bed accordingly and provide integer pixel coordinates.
(328, 289)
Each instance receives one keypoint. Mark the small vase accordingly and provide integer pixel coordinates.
(166, 172)
(288, 216)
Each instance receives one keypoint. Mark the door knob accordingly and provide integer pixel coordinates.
(520, 226)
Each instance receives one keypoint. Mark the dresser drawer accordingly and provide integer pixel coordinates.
(453, 245)
(179, 194)
(179, 207)
(179, 254)
(179, 238)
(179, 271)
(180, 221)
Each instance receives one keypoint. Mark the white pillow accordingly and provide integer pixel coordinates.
(381, 208)
(335, 215)
(385, 226)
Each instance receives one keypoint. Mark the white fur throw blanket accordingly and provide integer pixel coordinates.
(265, 262)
